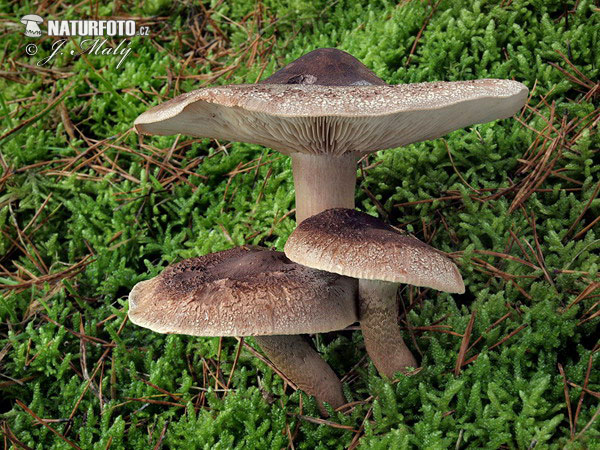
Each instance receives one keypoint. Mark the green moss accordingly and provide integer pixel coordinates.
(133, 221)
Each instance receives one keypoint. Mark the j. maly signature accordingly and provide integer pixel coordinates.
(96, 46)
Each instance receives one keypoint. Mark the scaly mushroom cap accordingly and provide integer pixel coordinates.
(355, 244)
(334, 120)
(243, 292)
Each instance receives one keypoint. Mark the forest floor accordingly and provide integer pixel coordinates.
(88, 208)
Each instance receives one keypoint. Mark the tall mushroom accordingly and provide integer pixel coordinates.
(354, 244)
(326, 110)
(253, 292)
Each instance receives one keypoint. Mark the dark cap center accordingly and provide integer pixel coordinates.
(326, 67)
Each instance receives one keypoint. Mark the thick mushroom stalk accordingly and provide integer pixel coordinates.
(303, 366)
(323, 182)
(378, 317)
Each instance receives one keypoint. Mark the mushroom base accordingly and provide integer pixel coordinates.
(303, 365)
(379, 323)
(323, 182)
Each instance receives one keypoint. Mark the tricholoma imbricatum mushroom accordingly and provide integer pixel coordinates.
(249, 291)
(355, 244)
(325, 110)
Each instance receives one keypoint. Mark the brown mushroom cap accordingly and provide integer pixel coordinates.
(355, 244)
(327, 67)
(243, 292)
(334, 120)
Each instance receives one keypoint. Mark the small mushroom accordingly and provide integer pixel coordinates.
(253, 292)
(32, 21)
(357, 245)
(326, 110)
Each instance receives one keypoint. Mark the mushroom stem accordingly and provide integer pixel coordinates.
(303, 365)
(323, 182)
(379, 323)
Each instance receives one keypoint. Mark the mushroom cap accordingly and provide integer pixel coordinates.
(31, 18)
(327, 67)
(357, 245)
(317, 119)
(243, 292)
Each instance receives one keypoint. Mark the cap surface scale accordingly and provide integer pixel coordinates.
(243, 292)
(357, 245)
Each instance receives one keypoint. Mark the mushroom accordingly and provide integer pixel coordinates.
(355, 244)
(326, 110)
(31, 22)
(253, 292)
